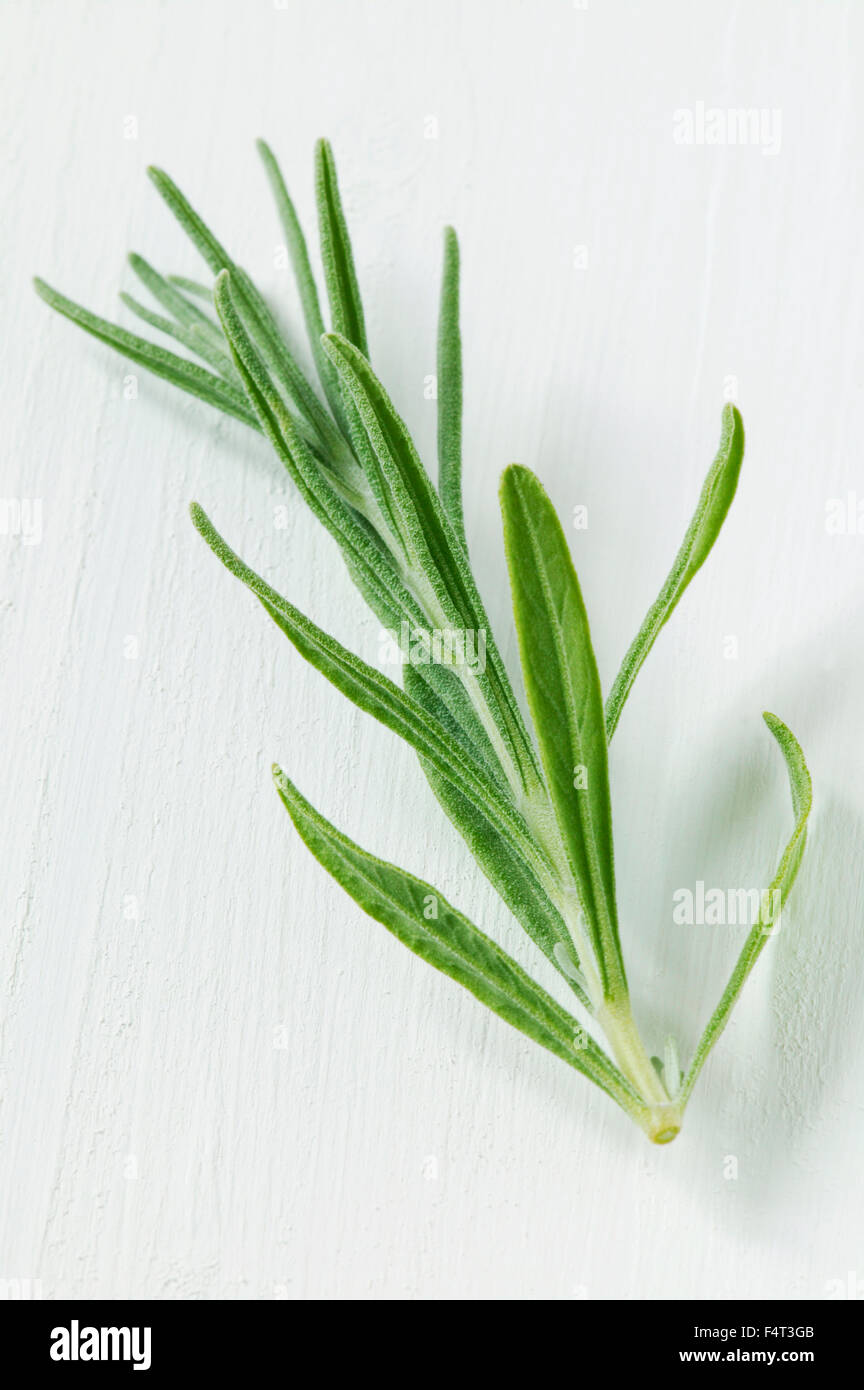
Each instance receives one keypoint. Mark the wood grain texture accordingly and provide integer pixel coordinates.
(218, 1078)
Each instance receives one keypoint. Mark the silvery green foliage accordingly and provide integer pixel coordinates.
(533, 806)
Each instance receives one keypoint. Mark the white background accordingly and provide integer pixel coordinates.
(219, 1079)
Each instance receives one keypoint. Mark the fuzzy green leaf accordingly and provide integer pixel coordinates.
(715, 500)
(346, 308)
(564, 695)
(171, 298)
(421, 918)
(191, 287)
(193, 338)
(514, 880)
(255, 312)
(450, 388)
(371, 567)
(195, 227)
(187, 375)
(308, 290)
(802, 799)
(265, 398)
(373, 692)
(423, 532)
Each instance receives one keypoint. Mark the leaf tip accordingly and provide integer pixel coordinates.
(200, 520)
(776, 725)
(222, 287)
(337, 347)
(517, 476)
(733, 424)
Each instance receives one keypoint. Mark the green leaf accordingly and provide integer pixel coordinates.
(450, 388)
(422, 919)
(373, 692)
(281, 361)
(442, 694)
(801, 788)
(196, 229)
(176, 303)
(192, 338)
(369, 564)
(564, 695)
(187, 375)
(513, 879)
(346, 308)
(308, 290)
(333, 493)
(259, 386)
(255, 312)
(715, 500)
(371, 567)
(422, 531)
(193, 287)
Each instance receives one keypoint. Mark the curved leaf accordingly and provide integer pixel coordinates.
(450, 388)
(715, 500)
(373, 692)
(308, 290)
(424, 533)
(254, 309)
(563, 690)
(346, 308)
(801, 788)
(180, 372)
(420, 917)
(513, 879)
(192, 337)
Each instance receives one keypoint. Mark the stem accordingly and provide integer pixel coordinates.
(657, 1115)
(628, 1049)
(661, 1116)
(661, 1122)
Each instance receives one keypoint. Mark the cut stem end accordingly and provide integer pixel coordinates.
(661, 1123)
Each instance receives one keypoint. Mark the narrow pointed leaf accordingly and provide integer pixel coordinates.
(441, 692)
(212, 250)
(371, 567)
(257, 381)
(190, 337)
(563, 690)
(373, 692)
(346, 309)
(513, 879)
(187, 375)
(308, 290)
(191, 287)
(331, 496)
(450, 388)
(172, 299)
(715, 500)
(254, 309)
(422, 919)
(777, 895)
(282, 362)
(424, 531)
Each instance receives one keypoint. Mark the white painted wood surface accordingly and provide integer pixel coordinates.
(218, 1078)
